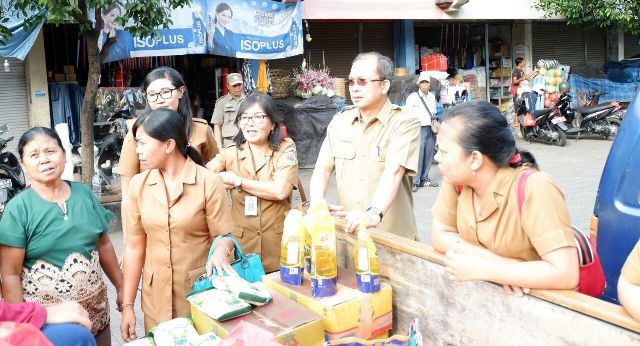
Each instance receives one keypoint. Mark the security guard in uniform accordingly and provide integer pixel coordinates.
(373, 149)
(224, 113)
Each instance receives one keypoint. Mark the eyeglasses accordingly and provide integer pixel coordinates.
(256, 119)
(165, 94)
(362, 81)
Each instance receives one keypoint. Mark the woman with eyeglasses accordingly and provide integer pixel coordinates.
(261, 171)
(164, 88)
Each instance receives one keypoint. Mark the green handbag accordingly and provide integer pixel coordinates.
(248, 266)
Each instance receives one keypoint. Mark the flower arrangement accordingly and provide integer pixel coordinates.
(310, 81)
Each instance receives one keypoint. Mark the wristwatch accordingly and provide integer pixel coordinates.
(376, 211)
(238, 184)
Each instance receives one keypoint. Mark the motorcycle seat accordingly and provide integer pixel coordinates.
(540, 112)
(596, 108)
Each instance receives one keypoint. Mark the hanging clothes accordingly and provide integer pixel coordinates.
(263, 77)
(247, 77)
(65, 101)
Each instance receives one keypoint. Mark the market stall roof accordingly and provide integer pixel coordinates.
(420, 10)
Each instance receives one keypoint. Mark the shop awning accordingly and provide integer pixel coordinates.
(419, 10)
(19, 44)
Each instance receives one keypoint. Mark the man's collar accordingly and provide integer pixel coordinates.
(383, 115)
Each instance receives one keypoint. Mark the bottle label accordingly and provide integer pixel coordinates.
(291, 275)
(368, 283)
(363, 259)
(324, 287)
(292, 252)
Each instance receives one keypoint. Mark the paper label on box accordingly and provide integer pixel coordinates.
(292, 252)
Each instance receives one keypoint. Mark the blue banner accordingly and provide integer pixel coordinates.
(235, 28)
(19, 44)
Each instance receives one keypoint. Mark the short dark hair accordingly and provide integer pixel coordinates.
(30, 134)
(519, 60)
(164, 124)
(269, 107)
(486, 130)
(384, 64)
(184, 106)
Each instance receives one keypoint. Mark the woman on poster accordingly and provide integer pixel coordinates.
(219, 38)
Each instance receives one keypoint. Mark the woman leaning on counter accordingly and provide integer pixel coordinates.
(174, 209)
(261, 170)
(477, 219)
(164, 87)
(629, 284)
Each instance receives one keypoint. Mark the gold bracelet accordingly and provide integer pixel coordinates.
(124, 305)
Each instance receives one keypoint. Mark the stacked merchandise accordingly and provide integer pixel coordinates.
(476, 78)
(546, 83)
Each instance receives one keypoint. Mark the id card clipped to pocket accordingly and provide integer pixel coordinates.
(250, 206)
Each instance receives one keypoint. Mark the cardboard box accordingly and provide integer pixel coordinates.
(69, 69)
(59, 77)
(292, 323)
(71, 77)
(347, 313)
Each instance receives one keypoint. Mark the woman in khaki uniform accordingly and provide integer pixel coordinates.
(629, 284)
(262, 170)
(164, 88)
(480, 226)
(175, 208)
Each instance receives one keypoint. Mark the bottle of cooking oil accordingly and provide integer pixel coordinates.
(324, 268)
(307, 251)
(366, 261)
(292, 248)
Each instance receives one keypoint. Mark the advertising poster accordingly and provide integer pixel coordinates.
(234, 28)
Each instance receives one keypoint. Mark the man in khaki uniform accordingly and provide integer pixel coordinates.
(225, 112)
(373, 148)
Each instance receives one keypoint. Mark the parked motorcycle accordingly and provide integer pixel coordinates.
(545, 125)
(594, 99)
(109, 148)
(601, 120)
(12, 178)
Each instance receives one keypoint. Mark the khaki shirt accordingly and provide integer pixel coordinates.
(542, 227)
(261, 234)
(178, 235)
(201, 139)
(224, 114)
(359, 153)
(631, 268)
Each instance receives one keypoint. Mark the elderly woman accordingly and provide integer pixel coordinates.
(53, 236)
(478, 221)
(174, 209)
(261, 170)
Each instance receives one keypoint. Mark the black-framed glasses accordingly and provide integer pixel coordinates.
(165, 94)
(362, 81)
(256, 119)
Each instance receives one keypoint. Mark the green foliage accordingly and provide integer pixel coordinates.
(146, 15)
(603, 14)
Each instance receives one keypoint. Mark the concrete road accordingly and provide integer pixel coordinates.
(576, 168)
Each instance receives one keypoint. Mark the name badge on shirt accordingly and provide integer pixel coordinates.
(250, 206)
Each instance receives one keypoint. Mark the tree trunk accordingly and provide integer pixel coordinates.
(89, 105)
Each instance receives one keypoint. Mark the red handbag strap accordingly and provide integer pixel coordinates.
(585, 249)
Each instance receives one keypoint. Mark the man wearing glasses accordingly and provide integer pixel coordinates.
(373, 148)
(224, 113)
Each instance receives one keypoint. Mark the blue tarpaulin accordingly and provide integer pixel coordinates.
(614, 91)
(19, 45)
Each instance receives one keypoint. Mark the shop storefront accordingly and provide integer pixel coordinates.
(13, 100)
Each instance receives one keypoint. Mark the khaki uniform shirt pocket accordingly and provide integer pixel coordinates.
(344, 153)
(193, 275)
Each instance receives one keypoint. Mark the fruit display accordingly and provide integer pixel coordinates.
(550, 76)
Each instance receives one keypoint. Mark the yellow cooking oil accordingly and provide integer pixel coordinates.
(366, 261)
(324, 269)
(292, 248)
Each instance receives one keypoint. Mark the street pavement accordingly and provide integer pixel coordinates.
(576, 168)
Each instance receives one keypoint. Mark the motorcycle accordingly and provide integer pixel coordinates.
(601, 120)
(594, 99)
(12, 178)
(108, 150)
(545, 125)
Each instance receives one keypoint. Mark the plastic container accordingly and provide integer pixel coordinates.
(366, 261)
(292, 248)
(434, 62)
